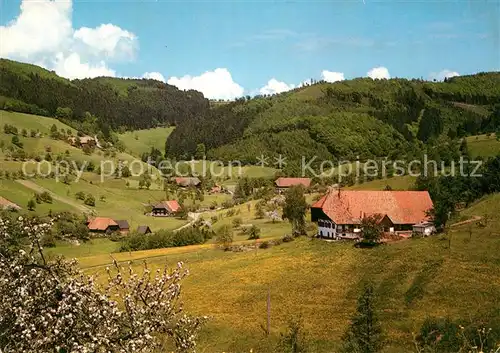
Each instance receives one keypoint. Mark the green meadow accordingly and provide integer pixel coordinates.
(483, 145)
(141, 141)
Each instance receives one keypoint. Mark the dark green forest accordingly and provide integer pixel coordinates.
(362, 118)
(359, 118)
(117, 103)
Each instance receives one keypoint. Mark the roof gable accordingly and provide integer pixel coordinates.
(350, 207)
(6, 204)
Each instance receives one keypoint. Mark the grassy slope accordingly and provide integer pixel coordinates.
(141, 141)
(20, 195)
(414, 279)
(482, 145)
(38, 145)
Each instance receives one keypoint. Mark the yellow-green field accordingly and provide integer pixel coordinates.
(414, 279)
(483, 145)
(140, 141)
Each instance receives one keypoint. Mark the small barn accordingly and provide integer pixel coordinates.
(123, 225)
(144, 230)
(424, 228)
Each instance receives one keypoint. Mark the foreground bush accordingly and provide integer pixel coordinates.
(166, 239)
(50, 306)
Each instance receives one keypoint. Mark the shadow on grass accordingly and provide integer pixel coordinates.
(417, 288)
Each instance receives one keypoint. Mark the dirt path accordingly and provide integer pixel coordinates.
(473, 219)
(35, 187)
(193, 216)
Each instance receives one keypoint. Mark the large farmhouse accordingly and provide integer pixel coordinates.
(339, 213)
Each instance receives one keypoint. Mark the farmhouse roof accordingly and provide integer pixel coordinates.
(172, 205)
(190, 181)
(6, 204)
(288, 182)
(350, 207)
(123, 224)
(101, 223)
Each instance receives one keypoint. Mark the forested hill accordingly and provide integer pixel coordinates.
(343, 120)
(116, 102)
(360, 117)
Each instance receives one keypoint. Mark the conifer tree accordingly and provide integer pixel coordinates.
(364, 334)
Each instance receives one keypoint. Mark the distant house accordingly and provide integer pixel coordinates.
(103, 225)
(166, 208)
(424, 228)
(216, 189)
(339, 213)
(123, 225)
(144, 230)
(83, 141)
(285, 183)
(8, 205)
(186, 182)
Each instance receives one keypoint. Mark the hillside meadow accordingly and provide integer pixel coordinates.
(320, 281)
(455, 275)
(141, 141)
(485, 145)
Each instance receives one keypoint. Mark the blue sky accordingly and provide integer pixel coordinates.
(256, 41)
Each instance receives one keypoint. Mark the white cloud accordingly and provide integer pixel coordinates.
(43, 33)
(72, 67)
(440, 76)
(274, 86)
(217, 84)
(108, 39)
(378, 72)
(154, 76)
(41, 27)
(331, 76)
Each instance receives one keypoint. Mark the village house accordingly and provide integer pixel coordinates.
(283, 184)
(165, 208)
(123, 226)
(187, 182)
(339, 213)
(216, 189)
(83, 141)
(8, 205)
(102, 225)
(143, 230)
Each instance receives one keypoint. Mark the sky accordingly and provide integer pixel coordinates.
(227, 49)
